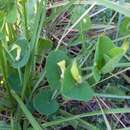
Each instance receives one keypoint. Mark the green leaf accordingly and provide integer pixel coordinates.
(125, 26)
(52, 69)
(43, 45)
(104, 45)
(107, 56)
(96, 73)
(14, 82)
(115, 51)
(44, 103)
(115, 55)
(12, 15)
(20, 52)
(75, 91)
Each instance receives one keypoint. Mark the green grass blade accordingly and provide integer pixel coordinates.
(128, 128)
(123, 64)
(36, 32)
(27, 113)
(115, 6)
(88, 114)
(39, 81)
(121, 8)
(111, 96)
(82, 122)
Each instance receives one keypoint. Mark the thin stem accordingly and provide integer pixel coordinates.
(118, 73)
(78, 20)
(25, 20)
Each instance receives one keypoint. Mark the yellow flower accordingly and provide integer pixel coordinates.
(61, 64)
(75, 72)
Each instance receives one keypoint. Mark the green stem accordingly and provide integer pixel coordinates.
(39, 81)
(25, 20)
(37, 29)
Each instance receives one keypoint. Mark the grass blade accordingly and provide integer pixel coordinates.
(88, 114)
(27, 113)
(121, 8)
(82, 122)
(111, 96)
(124, 128)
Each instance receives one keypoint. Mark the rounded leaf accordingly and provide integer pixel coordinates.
(44, 103)
(53, 72)
(75, 91)
(20, 53)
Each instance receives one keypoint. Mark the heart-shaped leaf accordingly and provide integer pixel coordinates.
(19, 53)
(53, 70)
(44, 103)
(107, 56)
(75, 91)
